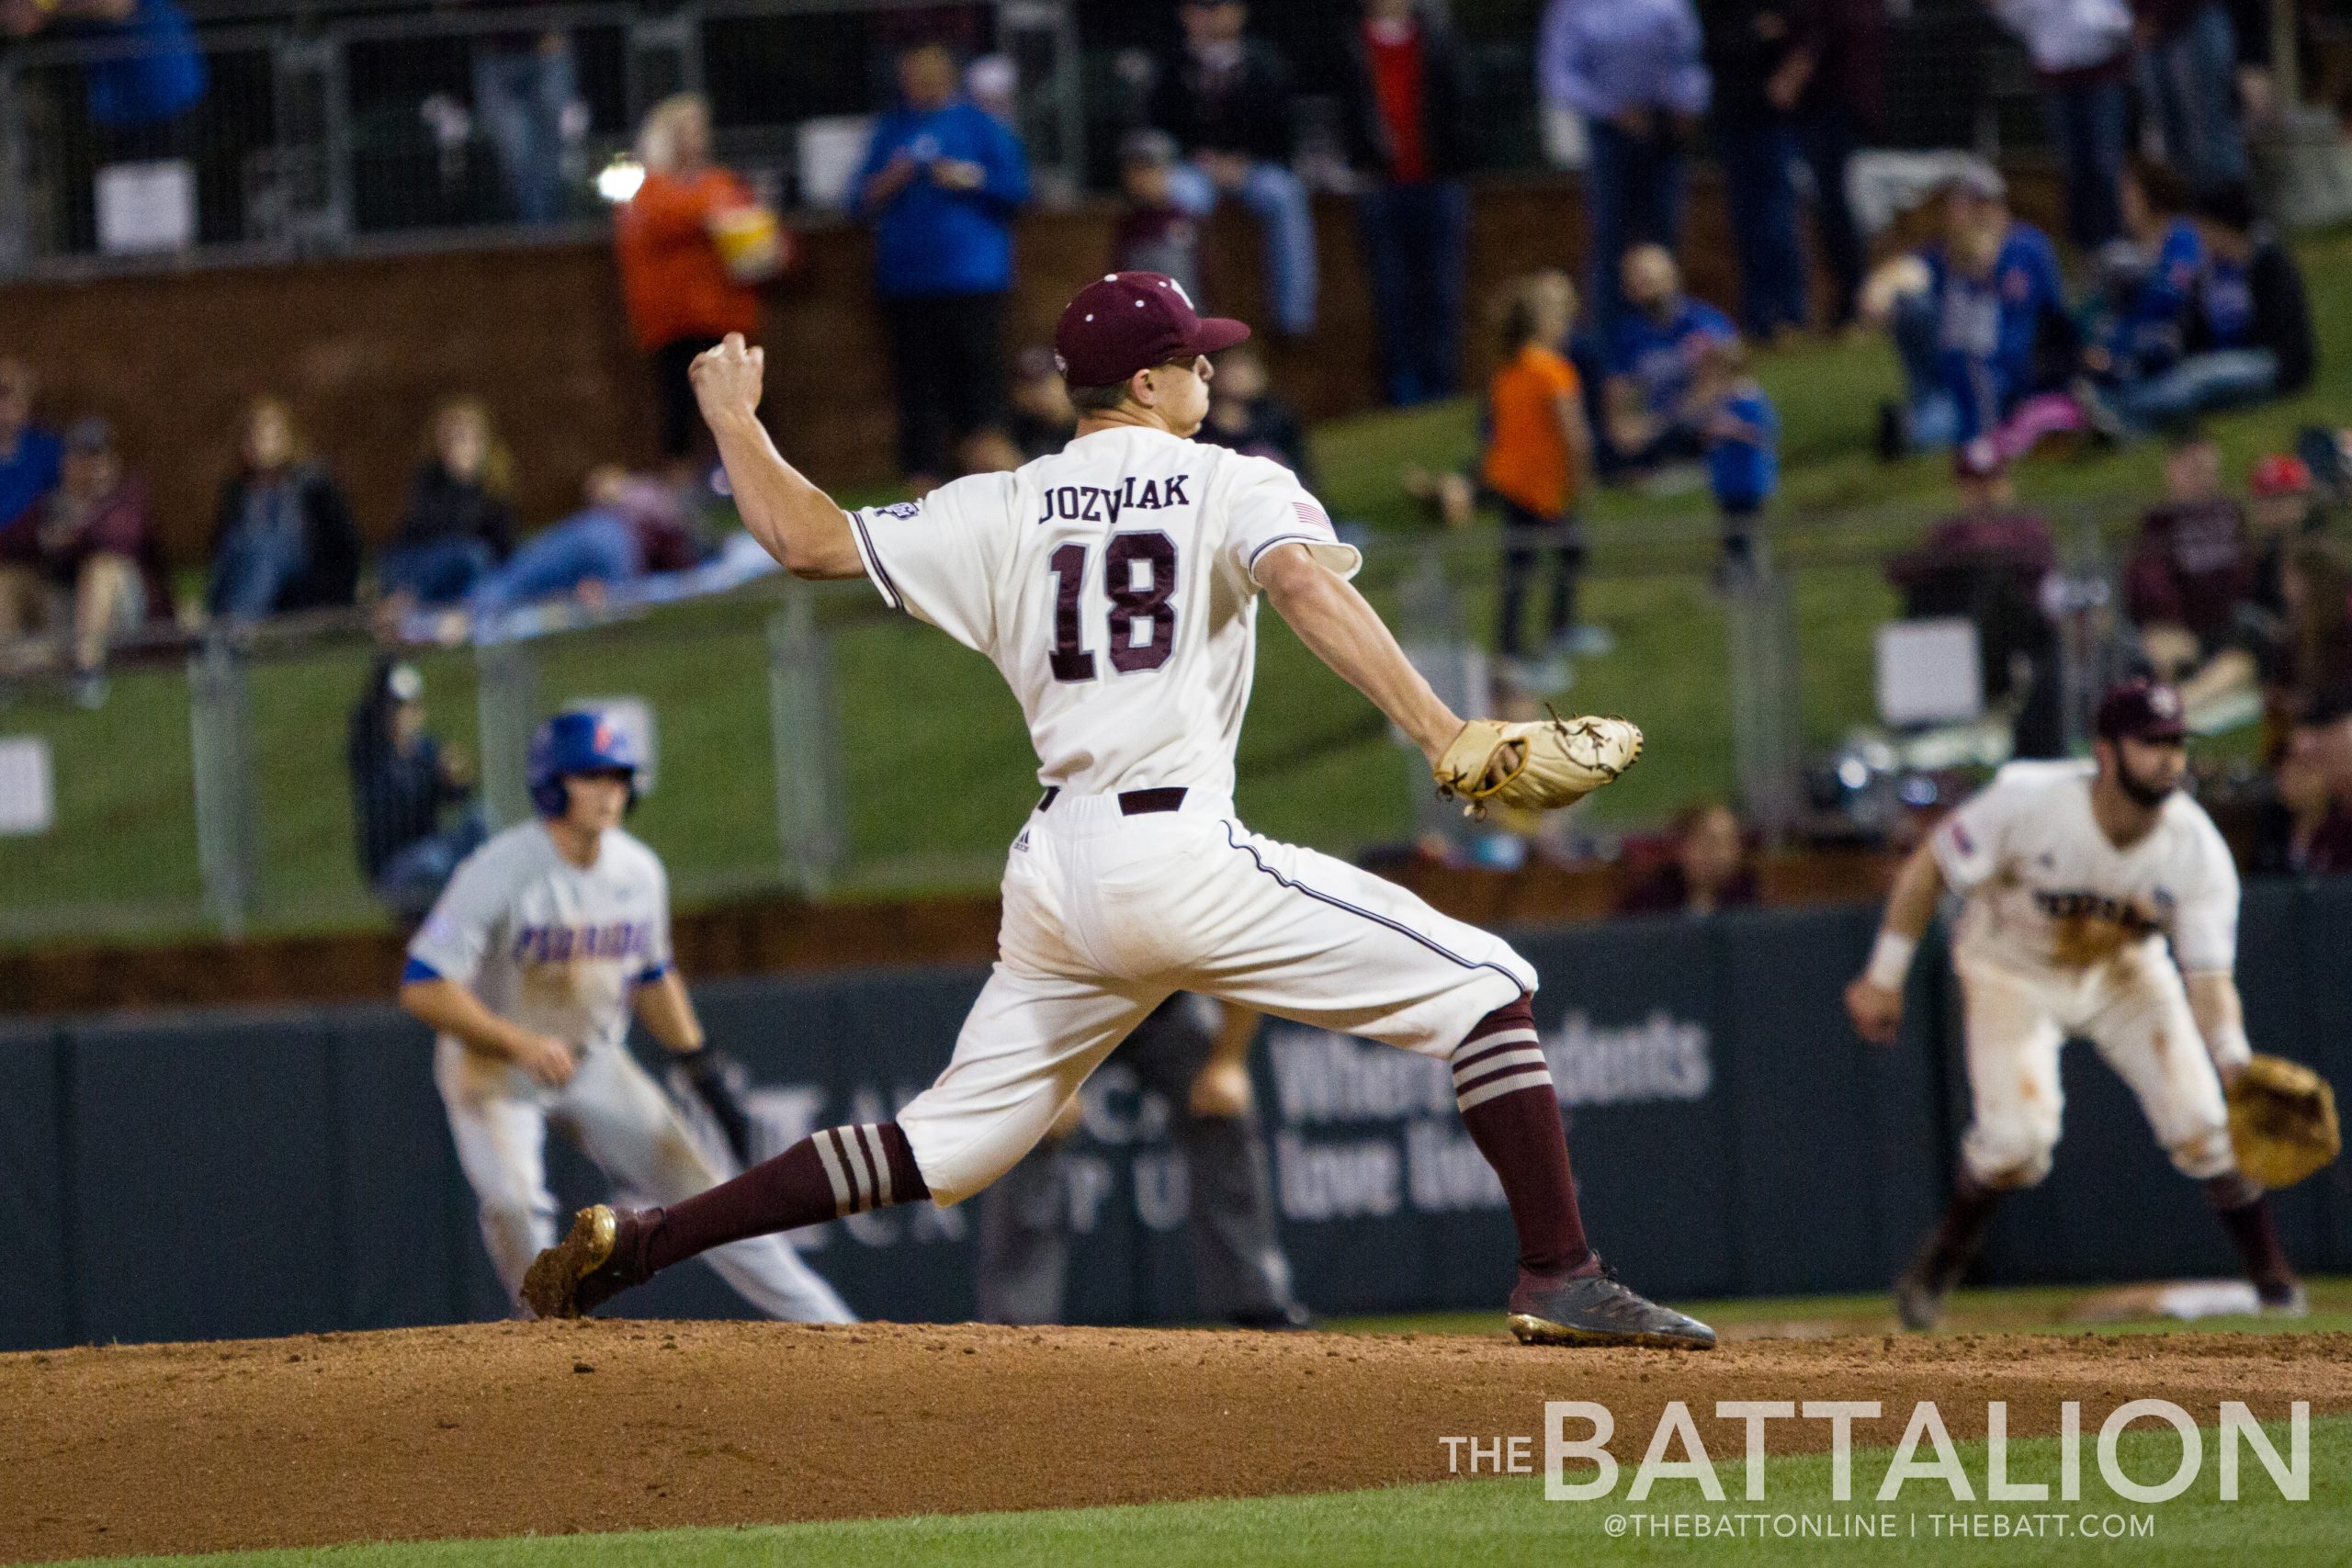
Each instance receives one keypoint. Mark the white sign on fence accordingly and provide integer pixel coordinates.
(146, 208)
(27, 794)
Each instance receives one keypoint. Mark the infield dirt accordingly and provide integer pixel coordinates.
(511, 1428)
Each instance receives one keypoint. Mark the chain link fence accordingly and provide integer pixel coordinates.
(365, 128)
(808, 741)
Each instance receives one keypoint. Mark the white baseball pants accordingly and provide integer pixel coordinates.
(620, 1119)
(2135, 1010)
(1106, 913)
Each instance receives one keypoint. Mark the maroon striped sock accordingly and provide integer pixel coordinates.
(1507, 1104)
(827, 1176)
(2244, 1209)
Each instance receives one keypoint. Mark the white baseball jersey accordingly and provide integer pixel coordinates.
(561, 951)
(1113, 584)
(546, 944)
(2048, 890)
(1115, 587)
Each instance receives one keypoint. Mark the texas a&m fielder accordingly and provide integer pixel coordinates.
(2074, 877)
(544, 942)
(1114, 585)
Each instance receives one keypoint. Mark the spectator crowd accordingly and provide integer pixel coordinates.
(2165, 297)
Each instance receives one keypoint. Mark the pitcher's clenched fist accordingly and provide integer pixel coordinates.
(729, 378)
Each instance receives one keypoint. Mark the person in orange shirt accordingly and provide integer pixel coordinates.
(680, 294)
(1538, 451)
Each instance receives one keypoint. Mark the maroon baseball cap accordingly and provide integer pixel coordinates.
(2142, 710)
(1134, 321)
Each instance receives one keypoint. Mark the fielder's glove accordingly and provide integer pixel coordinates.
(2282, 1121)
(1540, 766)
(708, 1070)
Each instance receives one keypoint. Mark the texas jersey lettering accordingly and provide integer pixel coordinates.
(2048, 891)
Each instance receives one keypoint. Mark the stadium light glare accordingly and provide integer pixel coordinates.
(620, 179)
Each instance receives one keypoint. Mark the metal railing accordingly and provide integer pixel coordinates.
(814, 743)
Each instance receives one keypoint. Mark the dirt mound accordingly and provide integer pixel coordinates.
(503, 1428)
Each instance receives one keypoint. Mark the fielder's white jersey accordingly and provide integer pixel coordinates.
(1113, 584)
(2048, 891)
(546, 944)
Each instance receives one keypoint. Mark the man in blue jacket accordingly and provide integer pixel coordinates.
(1979, 321)
(940, 183)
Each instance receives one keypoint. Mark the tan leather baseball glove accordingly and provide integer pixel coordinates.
(2282, 1121)
(1541, 765)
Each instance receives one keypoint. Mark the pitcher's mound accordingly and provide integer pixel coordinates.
(506, 1428)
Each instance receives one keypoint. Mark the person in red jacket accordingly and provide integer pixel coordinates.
(681, 296)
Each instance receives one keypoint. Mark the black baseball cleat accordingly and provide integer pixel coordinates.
(1598, 1309)
(587, 1267)
(1919, 1298)
(2289, 1299)
(1920, 1289)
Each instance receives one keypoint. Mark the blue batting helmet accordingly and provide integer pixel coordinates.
(579, 741)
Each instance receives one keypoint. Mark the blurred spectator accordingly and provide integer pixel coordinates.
(2248, 331)
(1408, 122)
(1152, 233)
(1743, 434)
(2306, 828)
(1978, 319)
(30, 461)
(1652, 356)
(1246, 415)
(2251, 301)
(941, 183)
(632, 524)
(1043, 420)
(402, 784)
(98, 551)
(1225, 98)
(1989, 563)
(524, 83)
(2317, 588)
(459, 521)
(2191, 569)
(1709, 871)
(1837, 73)
(2150, 299)
(1752, 53)
(2187, 70)
(681, 296)
(2282, 512)
(282, 535)
(1631, 68)
(139, 91)
(1538, 451)
(2082, 59)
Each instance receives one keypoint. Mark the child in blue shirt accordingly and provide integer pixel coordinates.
(1743, 452)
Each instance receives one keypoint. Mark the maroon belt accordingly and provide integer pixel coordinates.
(1132, 801)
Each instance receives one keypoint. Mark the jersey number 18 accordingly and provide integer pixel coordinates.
(1130, 603)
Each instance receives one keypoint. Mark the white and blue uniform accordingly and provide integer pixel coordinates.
(560, 950)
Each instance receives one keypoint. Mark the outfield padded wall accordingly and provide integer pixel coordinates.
(231, 1174)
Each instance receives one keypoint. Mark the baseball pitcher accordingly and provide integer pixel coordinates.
(1115, 587)
(544, 942)
(2074, 877)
